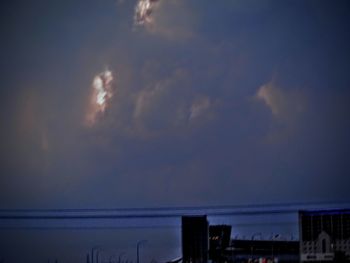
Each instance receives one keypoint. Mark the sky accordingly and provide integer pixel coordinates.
(127, 103)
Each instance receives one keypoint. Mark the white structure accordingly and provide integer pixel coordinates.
(324, 236)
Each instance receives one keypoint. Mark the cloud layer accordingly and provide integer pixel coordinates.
(182, 114)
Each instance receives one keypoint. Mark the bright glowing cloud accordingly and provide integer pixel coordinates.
(101, 93)
(143, 12)
(171, 19)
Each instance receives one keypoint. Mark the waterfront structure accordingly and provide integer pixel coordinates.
(219, 240)
(262, 251)
(324, 236)
(195, 238)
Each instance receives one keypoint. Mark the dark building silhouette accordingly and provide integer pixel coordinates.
(324, 236)
(195, 238)
(219, 240)
(262, 251)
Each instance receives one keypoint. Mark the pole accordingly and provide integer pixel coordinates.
(120, 257)
(92, 253)
(97, 256)
(138, 250)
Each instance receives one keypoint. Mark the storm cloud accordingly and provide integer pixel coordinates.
(227, 103)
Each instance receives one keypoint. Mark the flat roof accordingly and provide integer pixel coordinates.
(325, 212)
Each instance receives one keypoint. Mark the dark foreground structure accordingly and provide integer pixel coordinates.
(324, 236)
(263, 251)
(219, 241)
(195, 239)
(222, 249)
(196, 235)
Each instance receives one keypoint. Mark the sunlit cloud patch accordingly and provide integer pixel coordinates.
(101, 94)
(143, 12)
(199, 107)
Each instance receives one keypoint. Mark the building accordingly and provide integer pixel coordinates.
(195, 239)
(324, 236)
(219, 240)
(241, 251)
